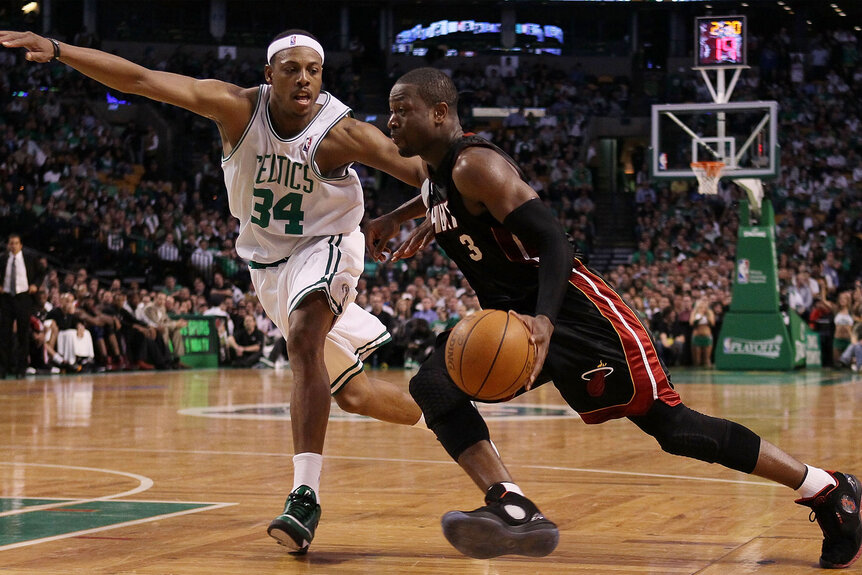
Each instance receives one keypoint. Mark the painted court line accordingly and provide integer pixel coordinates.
(281, 412)
(116, 525)
(144, 483)
(388, 460)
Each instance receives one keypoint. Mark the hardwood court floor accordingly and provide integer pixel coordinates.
(181, 472)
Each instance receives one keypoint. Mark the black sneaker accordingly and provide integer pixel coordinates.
(837, 511)
(295, 527)
(508, 524)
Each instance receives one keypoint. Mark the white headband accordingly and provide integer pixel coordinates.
(293, 41)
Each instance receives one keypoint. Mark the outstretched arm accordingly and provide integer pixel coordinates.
(354, 141)
(228, 105)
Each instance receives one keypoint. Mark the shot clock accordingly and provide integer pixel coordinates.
(720, 41)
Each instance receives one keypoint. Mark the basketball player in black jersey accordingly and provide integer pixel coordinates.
(590, 343)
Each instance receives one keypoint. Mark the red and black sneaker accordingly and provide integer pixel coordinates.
(508, 524)
(836, 509)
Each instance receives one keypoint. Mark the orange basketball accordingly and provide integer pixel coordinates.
(489, 354)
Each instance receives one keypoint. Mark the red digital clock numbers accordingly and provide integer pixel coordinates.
(720, 41)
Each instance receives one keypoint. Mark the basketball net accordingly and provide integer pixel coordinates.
(754, 188)
(708, 174)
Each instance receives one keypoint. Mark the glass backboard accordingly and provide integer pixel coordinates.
(743, 135)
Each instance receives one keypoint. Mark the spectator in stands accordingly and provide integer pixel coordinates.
(822, 320)
(200, 289)
(42, 355)
(66, 320)
(643, 256)
(583, 204)
(382, 355)
(469, 303)
(425, 310)
(221, 310)
(101, 327)
(852, 356)
(420, 342)
(142, 343)
(229, 261)
(169, 329)
(645, 197)
(202, 259)
(220, 289)
(683, 306)
(801, 293)
(668, 335)
(169, 251)
(112, 325)
(245, 347)
(843, 321)
(516, 119)
(702, 321)
(171, 285)
(443, 322)
(20, 277)
(82, 351)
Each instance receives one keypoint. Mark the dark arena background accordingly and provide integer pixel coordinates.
(704, 156)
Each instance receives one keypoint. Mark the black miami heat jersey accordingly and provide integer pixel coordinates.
(601, 358)
(500, 267)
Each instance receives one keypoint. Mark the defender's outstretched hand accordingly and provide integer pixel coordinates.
(39, 49)
(378, 232)
(419, 238)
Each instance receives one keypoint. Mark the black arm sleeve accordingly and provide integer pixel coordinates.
(535, 225)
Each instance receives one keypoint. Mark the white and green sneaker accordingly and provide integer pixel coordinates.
(295, 527)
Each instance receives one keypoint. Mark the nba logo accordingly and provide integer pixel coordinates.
(292, 41)
(742, 271)
(307, 145)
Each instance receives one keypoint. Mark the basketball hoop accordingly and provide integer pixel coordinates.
(708, 174)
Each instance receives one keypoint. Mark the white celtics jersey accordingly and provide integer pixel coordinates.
(276, 191)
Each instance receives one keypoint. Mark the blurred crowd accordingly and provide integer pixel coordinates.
(123, 243)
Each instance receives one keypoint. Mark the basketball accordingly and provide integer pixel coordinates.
(489, 354)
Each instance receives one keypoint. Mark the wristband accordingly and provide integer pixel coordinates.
(56, 49)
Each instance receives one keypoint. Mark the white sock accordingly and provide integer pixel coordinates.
(512, 488)
(815, 481)
(306, 471)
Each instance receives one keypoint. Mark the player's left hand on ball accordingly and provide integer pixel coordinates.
(541, 329)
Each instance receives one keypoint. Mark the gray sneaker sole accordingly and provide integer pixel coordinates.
(278, 530)
(484, 535)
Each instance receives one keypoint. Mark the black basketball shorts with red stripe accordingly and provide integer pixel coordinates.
(602, 358)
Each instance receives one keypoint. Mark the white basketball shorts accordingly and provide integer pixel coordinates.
(330, 264)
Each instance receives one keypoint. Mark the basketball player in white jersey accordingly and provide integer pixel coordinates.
(288, 148)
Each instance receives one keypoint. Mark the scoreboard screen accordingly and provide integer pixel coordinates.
(720, 41)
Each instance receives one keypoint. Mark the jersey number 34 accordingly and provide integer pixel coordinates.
(288, 209)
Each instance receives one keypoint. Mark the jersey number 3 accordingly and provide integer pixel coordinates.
(475, 252)
(288, 209)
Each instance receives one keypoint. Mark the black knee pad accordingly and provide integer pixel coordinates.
(448, 411)
(683, 431)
